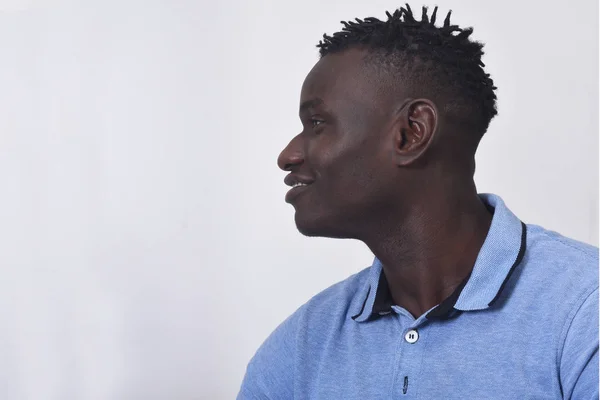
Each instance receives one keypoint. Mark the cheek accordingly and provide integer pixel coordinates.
(347, 173)
(337, 159)
(345, 159)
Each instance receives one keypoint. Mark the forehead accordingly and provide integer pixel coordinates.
(339, 79)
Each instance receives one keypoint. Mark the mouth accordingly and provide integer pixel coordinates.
(297, 189)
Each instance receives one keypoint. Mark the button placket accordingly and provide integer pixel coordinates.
(412, 337)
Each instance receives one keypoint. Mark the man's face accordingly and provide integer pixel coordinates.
(341, 152)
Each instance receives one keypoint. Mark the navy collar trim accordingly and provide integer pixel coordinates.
(378, 300)
(383, 302)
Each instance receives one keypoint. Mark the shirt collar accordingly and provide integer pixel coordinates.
(500, 254)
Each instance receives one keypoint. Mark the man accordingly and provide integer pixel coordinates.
(463, 300)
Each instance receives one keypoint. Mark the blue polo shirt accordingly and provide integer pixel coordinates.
(523, 325)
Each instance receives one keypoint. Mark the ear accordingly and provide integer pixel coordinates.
(413, 131)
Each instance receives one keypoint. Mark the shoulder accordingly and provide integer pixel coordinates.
(341, 298)
(558, 269)
(542, 236)
(338, 300)
(330, 307)
(271, 371)
(562, 274)
(556, 275)
(557, 254)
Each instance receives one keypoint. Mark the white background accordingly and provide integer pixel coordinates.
(145, 246)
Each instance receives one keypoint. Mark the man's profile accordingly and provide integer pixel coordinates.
(463, 300)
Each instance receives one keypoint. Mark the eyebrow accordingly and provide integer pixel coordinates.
(310, 104)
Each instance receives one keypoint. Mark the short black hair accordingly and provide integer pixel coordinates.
(443, 56)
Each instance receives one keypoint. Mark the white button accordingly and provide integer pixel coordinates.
(411, 336)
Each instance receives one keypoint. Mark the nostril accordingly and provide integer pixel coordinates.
(289, 162)
(292, 155)
(288, 167)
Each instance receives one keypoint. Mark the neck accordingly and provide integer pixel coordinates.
(429, 250)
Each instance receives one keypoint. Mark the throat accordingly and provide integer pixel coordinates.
(425, 265)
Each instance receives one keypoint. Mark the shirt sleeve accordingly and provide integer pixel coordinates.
(270, 373)
(579, 359)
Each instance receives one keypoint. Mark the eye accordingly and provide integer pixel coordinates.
(316, 122)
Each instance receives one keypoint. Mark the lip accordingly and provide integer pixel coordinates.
(294, 192)
(293, 178)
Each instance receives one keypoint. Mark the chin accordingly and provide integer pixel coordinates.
(319, 226)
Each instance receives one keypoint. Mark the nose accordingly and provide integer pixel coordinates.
(291, 156)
